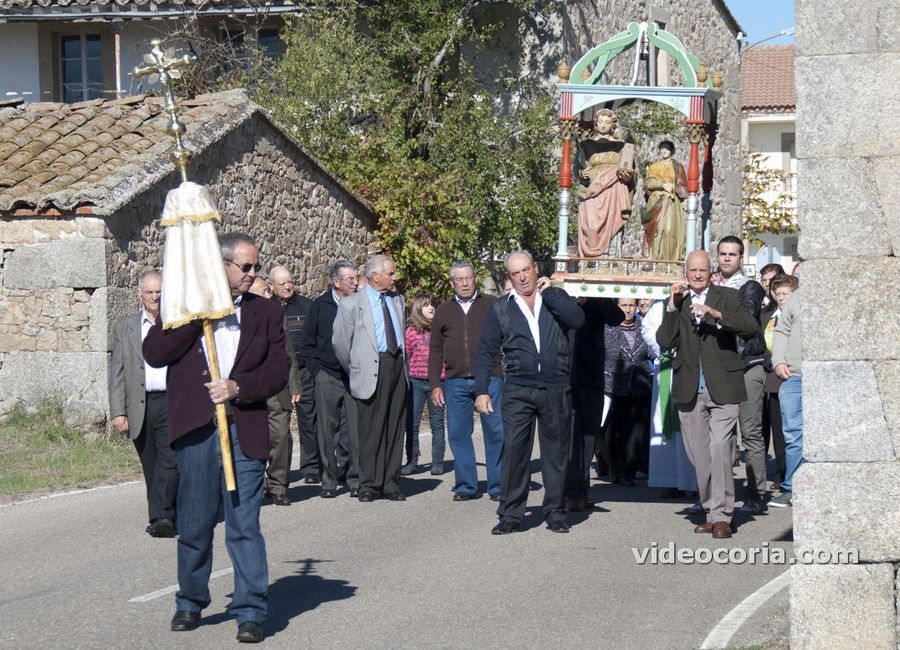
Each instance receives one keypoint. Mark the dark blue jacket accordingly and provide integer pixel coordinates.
(506, 331)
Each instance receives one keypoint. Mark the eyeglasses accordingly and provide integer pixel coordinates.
(246, 268)
(463, 278)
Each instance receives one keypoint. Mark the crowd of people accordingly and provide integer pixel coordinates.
(657, 389)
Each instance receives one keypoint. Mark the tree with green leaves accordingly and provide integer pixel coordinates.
(768, 206)
(383, 95)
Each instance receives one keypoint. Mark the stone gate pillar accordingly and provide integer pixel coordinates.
(847, 495)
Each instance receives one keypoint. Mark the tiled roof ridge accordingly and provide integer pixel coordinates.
(102, 152)
(94, 157)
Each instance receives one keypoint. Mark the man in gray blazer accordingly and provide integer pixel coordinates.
(137, 407)
(700, 326)
(368, 342)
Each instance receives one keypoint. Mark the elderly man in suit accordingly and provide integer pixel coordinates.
(137, 406)
(368, 342)
(335, 407)
(254, 366)
(700, 326)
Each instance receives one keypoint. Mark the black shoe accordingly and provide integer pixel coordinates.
(558, 526)
(354, 493)
(366, 496)
(161, 528)
(437, 470)
(505, 527)
(409, 468)
(328, 494)
(310, 480)
(185, 621)
(495, 496)
(250, 632)
(395, 496)
(462, 496)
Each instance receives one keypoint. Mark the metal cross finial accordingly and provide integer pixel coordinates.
(164, 66)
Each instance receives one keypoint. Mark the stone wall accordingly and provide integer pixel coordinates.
(53, 330)
(576, 26)
(848, 175)
(64, 281)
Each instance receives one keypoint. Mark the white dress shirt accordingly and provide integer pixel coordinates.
(466, 304)
(531, 318)
(154, 378)
(227, 335)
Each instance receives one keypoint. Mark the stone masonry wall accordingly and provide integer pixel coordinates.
(64, 281)
(265, 186)
(848, 178)
(53, 329)
(576, 26)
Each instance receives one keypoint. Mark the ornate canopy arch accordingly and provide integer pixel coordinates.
(697, 99)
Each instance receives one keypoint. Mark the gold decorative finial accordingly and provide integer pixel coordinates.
(644, 17)
(702, 76)
(163, 66)
(563, 71)
(716, 81)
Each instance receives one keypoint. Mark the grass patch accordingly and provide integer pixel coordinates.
(40, 452)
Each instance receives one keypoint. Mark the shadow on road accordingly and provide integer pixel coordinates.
(300, 592)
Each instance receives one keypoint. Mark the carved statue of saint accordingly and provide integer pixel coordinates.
(665, 188)
(606, 205)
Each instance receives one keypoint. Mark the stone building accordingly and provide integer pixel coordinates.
(848, 177)
(82, 187)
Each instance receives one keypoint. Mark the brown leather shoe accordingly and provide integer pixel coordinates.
(706, 527)
(282, 499)
(721, 530)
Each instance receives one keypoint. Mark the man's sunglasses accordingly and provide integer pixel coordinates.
(246, 268)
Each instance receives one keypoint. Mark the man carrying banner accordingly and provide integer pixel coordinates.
(254, 366)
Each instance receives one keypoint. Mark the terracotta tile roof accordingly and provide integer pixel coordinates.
(93, 157)
(65, 156)
(767, 80)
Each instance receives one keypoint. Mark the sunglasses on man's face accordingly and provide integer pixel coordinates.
(246, 268)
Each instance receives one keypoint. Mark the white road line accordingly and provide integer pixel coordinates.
(721, 634)
(171, 589)
(56, 495)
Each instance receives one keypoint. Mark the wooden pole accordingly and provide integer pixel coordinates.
(221, 414)
(166, 68)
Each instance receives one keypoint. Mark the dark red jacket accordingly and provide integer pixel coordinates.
(260, 369)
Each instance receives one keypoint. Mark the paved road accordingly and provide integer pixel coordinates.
(424, 573)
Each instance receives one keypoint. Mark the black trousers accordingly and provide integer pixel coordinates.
(587, 431)
(551, 407)
(306, 423)
(158, 461)
(380, 427)
(772, 431)
(334, 405)
(629, 424)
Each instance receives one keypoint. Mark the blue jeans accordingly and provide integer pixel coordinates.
(201, 493)
(460, 398)
(419, 396)
(791, 397)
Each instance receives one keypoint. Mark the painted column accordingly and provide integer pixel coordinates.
(567, 126)
(695, 131)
